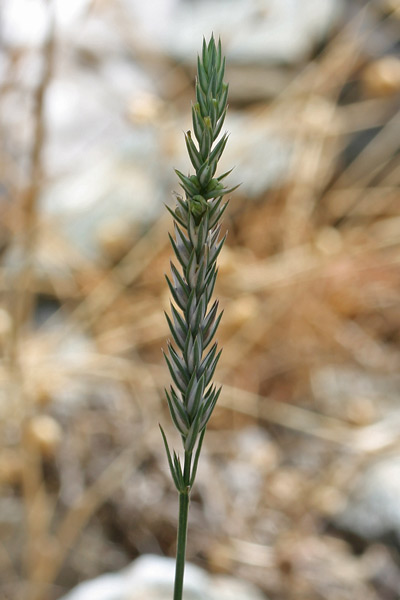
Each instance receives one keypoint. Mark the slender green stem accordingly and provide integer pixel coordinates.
(181, 545)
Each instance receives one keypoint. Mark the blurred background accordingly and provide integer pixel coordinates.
(299, 481)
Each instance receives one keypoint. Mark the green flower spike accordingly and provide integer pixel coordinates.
(192, 358)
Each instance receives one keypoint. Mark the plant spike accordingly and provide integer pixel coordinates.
(192, 397)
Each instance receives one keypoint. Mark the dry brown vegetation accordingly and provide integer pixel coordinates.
(309, 280)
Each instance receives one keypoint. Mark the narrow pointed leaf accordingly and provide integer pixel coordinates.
(178, 363)
(198, 123)
(219, 148)
(196, 458)
(217, 216)
(178, 280)
(178, 470)
(170, 463)
(181, 238)
(176, 333)
(194, 409)
(193, 432)
(178, 296)
(201, 100)
(211, 370)
(178, 413)
(179, 381)
(187, 184)
(211, 331)
(219, 124)
(208, 409)
(175, 216)
(192, 151)
(214, 254)
(181, 254)
(222, 100)
(179, 322)
(202, 76)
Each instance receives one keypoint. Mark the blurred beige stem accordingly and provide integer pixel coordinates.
(22, 297)
(55, 549)
(36, 500)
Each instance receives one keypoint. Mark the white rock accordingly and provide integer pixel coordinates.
(24, 23)
(152, 578)
(107, 587)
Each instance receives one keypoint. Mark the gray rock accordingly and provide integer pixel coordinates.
(255, 32)
(256, 148)
(373, 508)
(333, 384)
(113, 188)
(151, 578)
(255, 456)
(278, 30)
